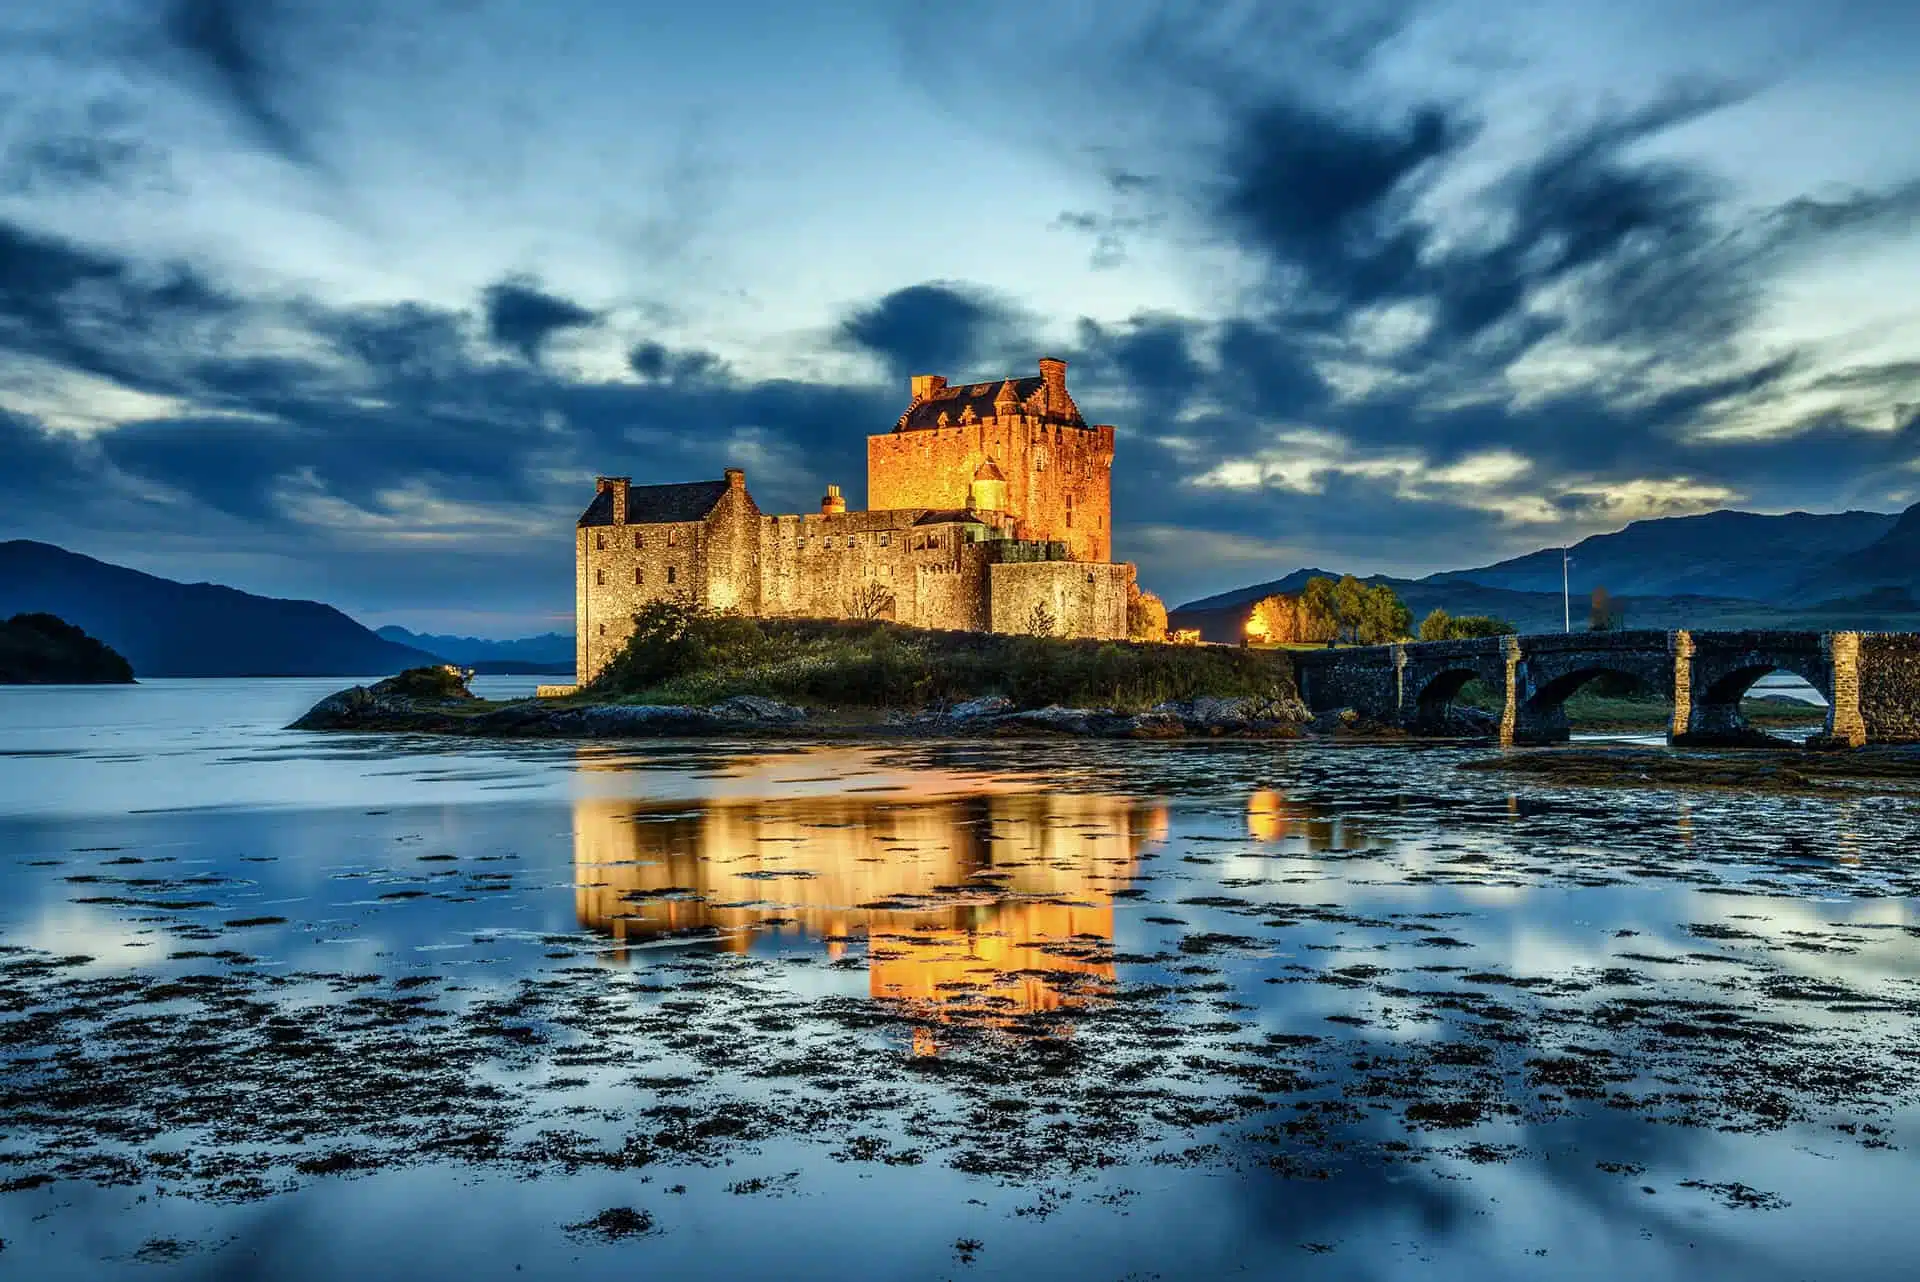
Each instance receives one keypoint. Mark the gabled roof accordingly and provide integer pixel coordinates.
(988, 471)
(970, 402)
(658, 504)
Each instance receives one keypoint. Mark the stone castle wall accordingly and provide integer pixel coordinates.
(1059, 477)
(620, 569)
(932, 550)
(1087, 599)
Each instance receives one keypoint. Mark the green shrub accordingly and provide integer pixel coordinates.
(682, 654)
(436, 682)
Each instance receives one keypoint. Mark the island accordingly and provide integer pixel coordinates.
(44, 649)
(687, 670)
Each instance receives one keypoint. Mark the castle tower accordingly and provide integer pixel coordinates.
(1055, 469)
(833, 502)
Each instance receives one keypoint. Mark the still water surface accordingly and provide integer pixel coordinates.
(285, 1005)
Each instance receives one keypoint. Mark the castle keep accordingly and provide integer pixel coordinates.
(990, 509)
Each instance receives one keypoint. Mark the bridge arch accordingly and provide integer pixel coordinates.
(1720, 668)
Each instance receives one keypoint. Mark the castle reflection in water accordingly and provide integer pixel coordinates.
(973, 904)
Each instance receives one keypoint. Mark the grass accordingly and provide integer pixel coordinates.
(680, 655)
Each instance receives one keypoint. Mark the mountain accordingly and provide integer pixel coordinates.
(1248, 595)
(1721, 569)
(1882, 569)
(169, 629)
(550, 651)
(1721, 554)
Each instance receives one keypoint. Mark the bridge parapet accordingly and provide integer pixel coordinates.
(1871, 681)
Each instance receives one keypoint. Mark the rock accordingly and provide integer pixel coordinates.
(1156, 723)
(754, 709)
(990, 705)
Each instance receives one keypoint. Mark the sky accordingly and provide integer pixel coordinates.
(352, 299)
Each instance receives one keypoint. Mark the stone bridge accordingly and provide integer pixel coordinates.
(1870, 680)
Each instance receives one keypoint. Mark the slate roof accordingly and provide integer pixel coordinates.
(955, 401)
(658, 504)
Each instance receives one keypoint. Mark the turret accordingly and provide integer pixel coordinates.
(832, 503)
(988, 491)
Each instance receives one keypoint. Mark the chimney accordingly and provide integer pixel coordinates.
(736, 479)
(833, 503)
(1054, 374)
(925, 385)
(618, 484)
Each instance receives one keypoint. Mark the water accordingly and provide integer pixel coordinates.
(298, 1006)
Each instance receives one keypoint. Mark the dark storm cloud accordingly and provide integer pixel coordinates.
(97, 312)
(233, 47)
(383, 410)
(658, 363)
(936, 327)
(1320, 193)
(522, 316)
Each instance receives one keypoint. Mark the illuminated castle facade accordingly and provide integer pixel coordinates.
(990, 508)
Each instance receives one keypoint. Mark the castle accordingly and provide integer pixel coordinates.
(990, 509)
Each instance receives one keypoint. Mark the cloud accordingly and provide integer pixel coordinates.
(231, 47)
(522, 316)
(938, 326)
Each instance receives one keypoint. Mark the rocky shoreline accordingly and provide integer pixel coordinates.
(397, 705)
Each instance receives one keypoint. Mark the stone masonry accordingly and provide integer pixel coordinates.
(985, 500)
(1871, 681)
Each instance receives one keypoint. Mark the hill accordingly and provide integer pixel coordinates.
(40, 649)
(548, 652)
(170, 629)
(1883, 569)
(1718, 570)
(1774, 559)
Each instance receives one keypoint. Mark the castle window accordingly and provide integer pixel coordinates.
(639, 576)
(600, 576)
(603, 629)
(639, 541)
(673, 538)
(600, 540)
(673, 573)
(884, 538)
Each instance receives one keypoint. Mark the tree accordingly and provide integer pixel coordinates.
(1349, 605)
(874, 601)
(1466, 626)
(1604, 615)
(1441, 626)
(1383, 616)
(1318, 615)
(1041, 621)
(1146, 615)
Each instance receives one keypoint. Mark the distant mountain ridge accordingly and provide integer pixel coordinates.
(169, 629)
(1781, 560)
(1725, 569)
(549, 649)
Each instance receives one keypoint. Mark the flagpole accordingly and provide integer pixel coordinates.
(1566, 598)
